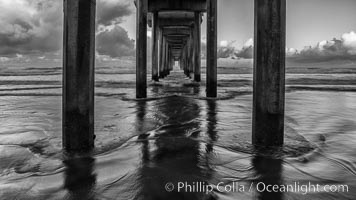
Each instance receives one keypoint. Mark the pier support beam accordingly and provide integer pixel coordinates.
(185, 59)
(141, 49)
(191, 53)
(211, 60)
(161, 73)
(164, 49)
(171, 61)
(161, 48)
(269, 72)
(197, 48)
(78, 74)
(155, 35)
(165, 58)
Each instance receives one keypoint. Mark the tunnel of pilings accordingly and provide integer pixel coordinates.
(176, 37)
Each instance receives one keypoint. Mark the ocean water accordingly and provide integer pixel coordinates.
(176, 140)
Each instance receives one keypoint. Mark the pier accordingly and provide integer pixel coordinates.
(176, 37)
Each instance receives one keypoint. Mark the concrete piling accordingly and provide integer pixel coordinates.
(197, 48)
(155, 36)
(141, 49)
(78, 74)
(269, 72)
(211, 58)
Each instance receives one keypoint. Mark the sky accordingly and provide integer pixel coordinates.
(308, 21)
(34, 27)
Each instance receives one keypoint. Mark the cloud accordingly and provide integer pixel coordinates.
(115, 43)
(29, 26)
(224, 43)
(248, 43)
(291, 52)
(247, 50)
(343, 48)
(112, 39)
(34, 27)
(112, 11)
(4, 59)
(324, 49)
(226, 49)
(349, 42)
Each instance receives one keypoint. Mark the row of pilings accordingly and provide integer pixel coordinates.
(79, 57)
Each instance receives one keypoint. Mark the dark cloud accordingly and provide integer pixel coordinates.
(112, 39)
(30, 26)
(115, 43)
(226, 51)
(112, 12)
(245, 52)
(35, 26)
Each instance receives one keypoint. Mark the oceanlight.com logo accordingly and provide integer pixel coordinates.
(234, 187)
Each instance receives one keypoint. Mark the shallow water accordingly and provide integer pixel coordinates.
(176, 136)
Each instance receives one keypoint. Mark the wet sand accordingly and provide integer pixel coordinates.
(176, 135)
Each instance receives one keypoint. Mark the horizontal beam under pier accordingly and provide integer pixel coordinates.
(187, 5)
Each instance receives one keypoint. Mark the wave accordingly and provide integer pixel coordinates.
(336, 88)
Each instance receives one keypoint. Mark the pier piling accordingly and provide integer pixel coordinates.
(161, 48)
(211, 56)
(141, 49)
(197, 48)
(269, 72)
(78, 74)
(155, 35)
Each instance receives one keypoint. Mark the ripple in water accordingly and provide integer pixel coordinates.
(175, 136)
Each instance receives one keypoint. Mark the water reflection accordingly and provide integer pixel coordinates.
(80, 179)
(141, 108)
(269, 172)
(174, 87)
(174, 154)
(211, 126)
(196, 90)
